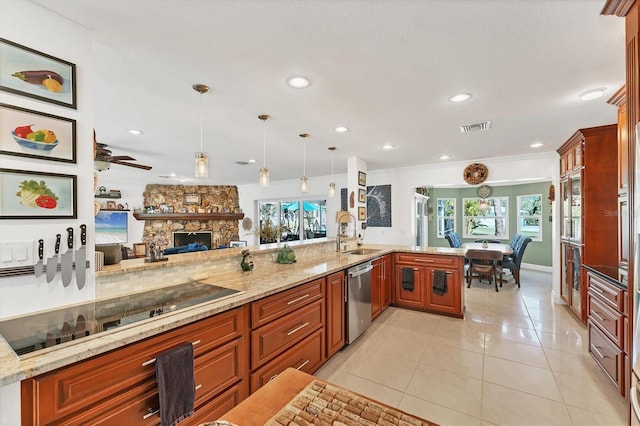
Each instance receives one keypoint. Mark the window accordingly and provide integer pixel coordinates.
(486, 218)
(446, 211)
(287, 221)
(530, 216)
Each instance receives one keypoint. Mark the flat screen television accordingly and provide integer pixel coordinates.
(111, 227)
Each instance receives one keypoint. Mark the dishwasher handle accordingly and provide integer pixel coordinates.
(360, 269)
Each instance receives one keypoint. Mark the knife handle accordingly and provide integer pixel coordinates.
(70, 238)
(58, 237)
(83, 235)
(40, 249)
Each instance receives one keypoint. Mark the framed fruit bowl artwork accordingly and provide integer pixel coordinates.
(28, 72)
(33, 134)
(37, 195)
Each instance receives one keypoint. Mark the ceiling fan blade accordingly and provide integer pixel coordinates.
(122, 157)
(139, 166)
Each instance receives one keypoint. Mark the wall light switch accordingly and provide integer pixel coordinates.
(17, 253)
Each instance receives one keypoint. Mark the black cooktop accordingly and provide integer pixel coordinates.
(44, 329)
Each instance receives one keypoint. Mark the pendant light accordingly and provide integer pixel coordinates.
(332, 184)
(202, 159)
(304, 182)
(264, 172)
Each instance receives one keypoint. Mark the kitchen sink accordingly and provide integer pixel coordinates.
(362, 251)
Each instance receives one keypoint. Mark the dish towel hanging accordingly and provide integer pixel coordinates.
(440, 282)
(176, 384)
(407, 279)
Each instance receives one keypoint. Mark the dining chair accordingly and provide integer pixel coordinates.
(513, 264)
(453, 238)
(483, 263)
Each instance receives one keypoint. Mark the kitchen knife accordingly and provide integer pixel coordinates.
(52, 262)
(81, 258)
(39, 267)
(67, 259)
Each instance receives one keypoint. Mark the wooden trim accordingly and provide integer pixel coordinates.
(617, 7)
(189, 216)
(619, 98)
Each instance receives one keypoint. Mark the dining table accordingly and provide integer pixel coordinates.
(506, 249)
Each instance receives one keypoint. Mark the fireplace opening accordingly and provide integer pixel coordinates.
(185, 238)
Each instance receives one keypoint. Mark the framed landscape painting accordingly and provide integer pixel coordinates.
(37, 195)
(28, 72)
(33, 134)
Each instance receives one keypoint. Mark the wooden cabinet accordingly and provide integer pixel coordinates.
(336, 320)
(119, 387)
(414, 283)
(281, 325)
(589, 201)
(608, 325)
(380, 285)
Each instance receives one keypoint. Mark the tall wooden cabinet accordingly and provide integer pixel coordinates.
(588, 209)
(380, 285)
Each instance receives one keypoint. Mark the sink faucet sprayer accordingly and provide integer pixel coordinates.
(342, 230)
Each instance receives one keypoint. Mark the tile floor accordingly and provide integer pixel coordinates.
(516, 359)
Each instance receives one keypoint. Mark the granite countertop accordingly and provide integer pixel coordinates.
(266, 279)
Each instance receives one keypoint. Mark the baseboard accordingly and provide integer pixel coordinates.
(534, 267)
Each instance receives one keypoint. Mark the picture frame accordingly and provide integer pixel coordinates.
(362, 213)
(37, 195)
(233, 244)
(193, 199)
(362, 179)
(362, 195)
(111, 205)
(139, 249)
(64, 129)
(38, 75)
(111, 227)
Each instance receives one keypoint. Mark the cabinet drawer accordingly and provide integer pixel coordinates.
(215, 407)
(609, 320)
(427, 260)
(606, 354)
(609, 293)
(61, 392)
(219, 369)
(273, 307)
(306, 356)
(268, 341)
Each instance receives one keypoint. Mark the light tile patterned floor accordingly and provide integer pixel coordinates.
(516, 359)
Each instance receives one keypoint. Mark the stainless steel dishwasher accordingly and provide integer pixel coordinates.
(358, 300)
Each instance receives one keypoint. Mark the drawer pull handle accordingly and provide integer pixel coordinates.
(273, 377)
(595, 349)
(302, 365)
(152, 412)
(291, 302)
(298, 328)
(198, 387)
(597, 289)
(598, 317)
(152, 360)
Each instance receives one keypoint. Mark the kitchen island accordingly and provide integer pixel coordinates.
(314, 265)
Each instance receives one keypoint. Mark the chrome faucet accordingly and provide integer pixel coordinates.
(343, 234)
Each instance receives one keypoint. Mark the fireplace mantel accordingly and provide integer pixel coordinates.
(188, 216)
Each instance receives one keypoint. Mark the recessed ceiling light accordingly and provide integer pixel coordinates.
(444, 157)
(242, 163)
(135, 131)
(388, 147)
(536, 145)
(252, 161)
(341, 129)
(593, 94)
(298, 82)
(460, 97)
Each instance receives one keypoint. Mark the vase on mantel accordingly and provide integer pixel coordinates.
(485, 244)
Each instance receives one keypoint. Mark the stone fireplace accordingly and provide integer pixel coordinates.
(211, 210)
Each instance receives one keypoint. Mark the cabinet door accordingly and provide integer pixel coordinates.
(449, 302)
(385, 282)
(576, 281)
(409, 286)
(575, 232)
(335, 313)
(565, 206)
(376, 288)
(565, 272)
(623, 232)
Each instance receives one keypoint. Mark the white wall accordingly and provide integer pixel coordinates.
(27, 24)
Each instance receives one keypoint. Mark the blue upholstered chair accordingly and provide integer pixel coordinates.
(453, 238)
(513, 263)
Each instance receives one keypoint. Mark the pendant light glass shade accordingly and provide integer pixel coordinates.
(263, 180)
(304, 182)
(332, 184)
(202, 159)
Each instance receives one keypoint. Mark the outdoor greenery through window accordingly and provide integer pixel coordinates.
(530, 216)
(446, 210)
(291, 220)
(486, 218)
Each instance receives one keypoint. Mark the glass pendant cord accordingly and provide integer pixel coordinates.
(304, 182)
(332, 184)
(263, 179)
(202, 160)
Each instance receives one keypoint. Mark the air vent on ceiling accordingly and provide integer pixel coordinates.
(475, 127)
(242, 163)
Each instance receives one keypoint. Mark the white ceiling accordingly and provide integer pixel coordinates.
(384, 68)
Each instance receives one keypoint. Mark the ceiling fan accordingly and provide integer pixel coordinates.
(103, 158)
